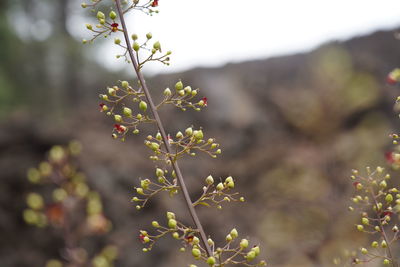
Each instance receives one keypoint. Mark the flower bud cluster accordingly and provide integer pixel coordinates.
(217, 193)
(128, 108)
(182, 97)
(69, 192)
(187, 143)
(149, 188)
(377, 203)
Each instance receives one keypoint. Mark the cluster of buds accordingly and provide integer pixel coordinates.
(377, 204)
(218, 193)
(184, 144)
(60, 209)
(233, 252)
(182, 98)
(148, 188)
(154, 50)
(116, 103)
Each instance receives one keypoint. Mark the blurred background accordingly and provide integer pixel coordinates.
(296, 96)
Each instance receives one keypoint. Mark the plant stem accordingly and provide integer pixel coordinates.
(162, 131)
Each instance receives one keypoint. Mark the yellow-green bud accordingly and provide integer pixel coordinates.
(179, 86)
(159, 172)
(250, 256)
(139, 190)
(149, 35)
(179, 135)
(59, 194)
(360, 227)
(136, 46)
(244, 243)
(143, 106)
(365, 221)
(374, 244)
(256, 249)
(211, 261)
(389, 198)
(157, 45)
(84, 5)
(195, 240)
(234, 233)
(127, 112)
(175, 235)
(100, 15)
(383, 244)
(117, 118)
(196, 253)
(146, 239)
(229, 238)
(134, 37)
(113, 15)
(117, 41)
(188, 89)
(189, 131)
(89, 26)
(386, 262)
(167, 92)
(125, 84)
(170, 215)
(35, 201)
(172, 223)
(199, 134)
(154, 146)
(364, 251)
(210, 242)
(209, 180)
(220, 186)
(383, 184)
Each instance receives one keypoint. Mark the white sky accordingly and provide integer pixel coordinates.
(215, 32)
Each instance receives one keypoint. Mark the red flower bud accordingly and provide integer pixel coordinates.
(205, 101)
(389, 157)
(154, 3)
(114, 27)
(119, 128)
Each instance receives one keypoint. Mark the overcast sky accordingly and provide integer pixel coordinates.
(215, 32)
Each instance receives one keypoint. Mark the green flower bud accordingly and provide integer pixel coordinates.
(386, 262)
(157, 45)
(194, 92)
(244, 243)
(102, 22)
(117, 41)
(179, 135)
(250, 256)
(234, 233)
(210, 242)
(170, 215)
(220, 186)
(111, 91)
(125, 84)
(35, 201)
(211, 261)
(383, 244)
(154, 146)
(172, 223)
(143, 106)
(89, 26)
(198, 135)
(256, 249)
(389, 198)
(360, 227)
(146, 239)
(229, 238)
(209, 180)
(145, 183)
(365, 221)
(158, 136)
(139, 190)
(374, 244)
(113, 15)
(167, 92)
(134, 37)
(100, 15)
(169, 53)
(136, 46)
(117, 118)
(189, 131)
(188, 90)
(383, 184)
(195, 240)
(149, 35)
(84, 5)
(179, 86)
(196, 253)
(175, 235)
(127, 112)
(59, 194)
(159, 172)
(364, 251)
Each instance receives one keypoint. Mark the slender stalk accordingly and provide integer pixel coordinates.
(160, 126)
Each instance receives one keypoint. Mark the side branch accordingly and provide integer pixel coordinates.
(162, 131)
